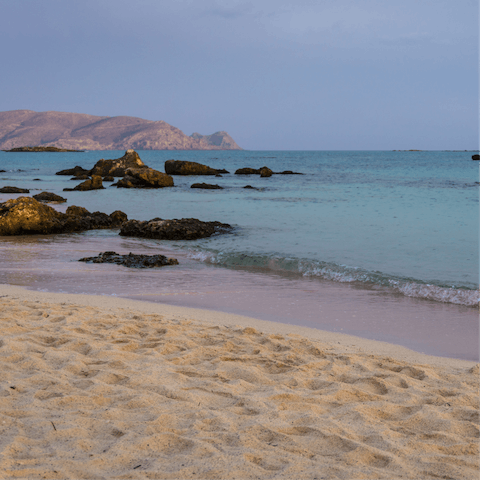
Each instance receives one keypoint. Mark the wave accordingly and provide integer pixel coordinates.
(460, 295)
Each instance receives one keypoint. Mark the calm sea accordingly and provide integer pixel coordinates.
(385, 226)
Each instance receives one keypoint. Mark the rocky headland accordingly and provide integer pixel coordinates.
(41, 149)
(77, 131)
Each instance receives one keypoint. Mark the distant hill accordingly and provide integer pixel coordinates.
(78, 131)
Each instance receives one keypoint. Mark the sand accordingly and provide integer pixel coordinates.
(99, 387)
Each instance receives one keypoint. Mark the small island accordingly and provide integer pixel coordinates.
(41, 149)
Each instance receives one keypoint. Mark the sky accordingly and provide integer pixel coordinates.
(275, 74)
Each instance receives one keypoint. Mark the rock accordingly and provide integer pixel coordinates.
(265, 172)
(27, 216)
(2, 171)
(49, 197)
(288, 172)
(183, 229)
(75, 171)
(37, 179)
(132, 260)
(222, 171)
(118, 167)
(108, 178)
(81, 177)
(94, 183)
(13, 190)
(207, 186)
(218, 175)
(249, 186)
(145, 178)
(180, 167)
(247, 171)
(41, 149)
(476, 157)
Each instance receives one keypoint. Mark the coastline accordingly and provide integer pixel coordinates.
(109, 387)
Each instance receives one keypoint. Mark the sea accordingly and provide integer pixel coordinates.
(377, 244)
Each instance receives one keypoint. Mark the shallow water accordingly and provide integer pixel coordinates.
(359, 232)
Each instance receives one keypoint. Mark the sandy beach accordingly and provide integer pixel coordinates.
(99, 387)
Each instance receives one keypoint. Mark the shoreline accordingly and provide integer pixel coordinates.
(351, 342)
(104, 387)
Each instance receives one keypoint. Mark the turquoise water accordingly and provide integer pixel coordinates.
(403, 221)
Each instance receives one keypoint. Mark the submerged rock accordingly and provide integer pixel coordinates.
(132, 260)
(13, 190)
(207, 186)
(180, 167)
(27, 216)
(183, 229)
(144, 178)
(94, 183)
(49, 197)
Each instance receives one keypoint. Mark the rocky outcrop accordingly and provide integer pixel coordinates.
(75, 171)
(144, 178)
(40, 149)
(89, 132)
(94, 183)
(247, 171)
(118, 167)
(81, 177)
(48, 197)
(27, 216)
(13, 190)
(183, 229)
(131, 260)
(180, 167)
(476, 157)
(288, 172)
(207, 186)
(265, 172)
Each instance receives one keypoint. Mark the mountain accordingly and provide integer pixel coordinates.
(220, 139)
(78, 131)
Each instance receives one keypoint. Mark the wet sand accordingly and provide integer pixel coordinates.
(103, 387)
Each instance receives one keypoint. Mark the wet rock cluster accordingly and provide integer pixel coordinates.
(183, 229)
(27, 216)
(131, 260)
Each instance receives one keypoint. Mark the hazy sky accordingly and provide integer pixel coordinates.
(275, 74)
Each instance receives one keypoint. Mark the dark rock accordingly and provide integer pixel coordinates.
(13, 190)
(118, 167)
(2, 171)
(247, 171)
(288, 172)
(218, 175)
(41, 149)
(37, 179)
(49, 197)
(77, 211)
(476, 157)
(183, 229)
(180, 167)
(265, 172)
(81, 177)
(27, 216)
(249, 186)
(207, 186)
(108, 178)
(144, 178)
(222, 170)
(94, 183)
(132, 260)
(76, 171)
